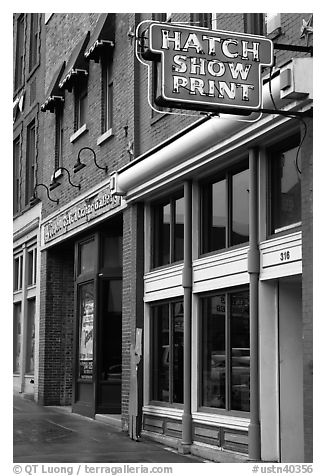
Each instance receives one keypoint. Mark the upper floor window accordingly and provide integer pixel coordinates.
(168, 234)
(225, 210)
(16, 174)
(285, 185)
(31, 266)
(81, 102)
(107, 94)
(20, 27)
(33, 41)
(58, 161)
(30, 161)
(201, 19)
(18, 272)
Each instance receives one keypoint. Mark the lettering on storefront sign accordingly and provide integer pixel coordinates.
(84, 212)
(206, 69)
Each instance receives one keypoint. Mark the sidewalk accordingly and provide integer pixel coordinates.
(50, 435)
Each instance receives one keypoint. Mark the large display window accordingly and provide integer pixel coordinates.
(167, 352)
(225, 351)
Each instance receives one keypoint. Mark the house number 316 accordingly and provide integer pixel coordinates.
(285, 256)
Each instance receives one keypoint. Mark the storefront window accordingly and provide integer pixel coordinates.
(226, 351)
(168, 237)
(17, 337)
(285, 186)
(86, 309)
(225, 210)
(30, 341)
(167, 352)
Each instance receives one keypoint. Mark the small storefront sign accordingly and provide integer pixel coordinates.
(79, 214)
(203, 69)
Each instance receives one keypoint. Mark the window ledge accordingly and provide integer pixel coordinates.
(104, 137)
(78, 133)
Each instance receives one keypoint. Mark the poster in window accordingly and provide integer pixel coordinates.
(86, 332)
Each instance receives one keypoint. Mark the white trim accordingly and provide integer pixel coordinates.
(281, 256)
(169, 412)
(226, 421)
(102, 138)
(163, 283)
(78, 133)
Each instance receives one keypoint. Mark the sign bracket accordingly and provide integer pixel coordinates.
(301, 49)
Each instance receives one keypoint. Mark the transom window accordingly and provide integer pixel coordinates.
(225, 210)
(225, 351)
(168, 236)
(285, 177)
(167, 352)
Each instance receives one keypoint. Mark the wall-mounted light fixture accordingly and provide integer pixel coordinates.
(35, 199)
(79, 165)
(55, 182)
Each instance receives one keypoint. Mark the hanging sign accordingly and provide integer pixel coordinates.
(202, 69)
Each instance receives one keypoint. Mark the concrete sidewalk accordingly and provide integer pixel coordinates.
(50, 435)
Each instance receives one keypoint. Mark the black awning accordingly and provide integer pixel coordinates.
(102, 37)
(76, 66)
(54, 94)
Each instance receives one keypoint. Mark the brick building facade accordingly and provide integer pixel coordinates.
(125, 183)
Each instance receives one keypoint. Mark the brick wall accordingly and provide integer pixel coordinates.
(56, 327)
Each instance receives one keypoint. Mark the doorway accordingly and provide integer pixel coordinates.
(98, 330)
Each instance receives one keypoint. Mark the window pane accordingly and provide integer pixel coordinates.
(213, 345)
(87, 257)
(240, 351)
(162, 227)
(30, 267)
(86, 319)
(179, 229)
(286, 189)
(16, 274)
(214, 216)
(112, 252)
(30, 342)
(17, 337)
(110, 335)
(160, 353)
(177, 314)
(240, 208)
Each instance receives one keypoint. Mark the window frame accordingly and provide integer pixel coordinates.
(157, 227)
(278, 148)
(225, 174)
(170, 303)
(58, 146)
(228, 351)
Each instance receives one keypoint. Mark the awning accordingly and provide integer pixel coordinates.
(102, 37)
(76, 66)
(54, 94)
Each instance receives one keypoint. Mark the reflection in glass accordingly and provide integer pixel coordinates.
(213, 345)
(160, 353)
(86, 310)
(87, 257)
(165, 243)
(240, 352)
(179, 229)
(240, 208)
(286, 189)
(214, 216)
